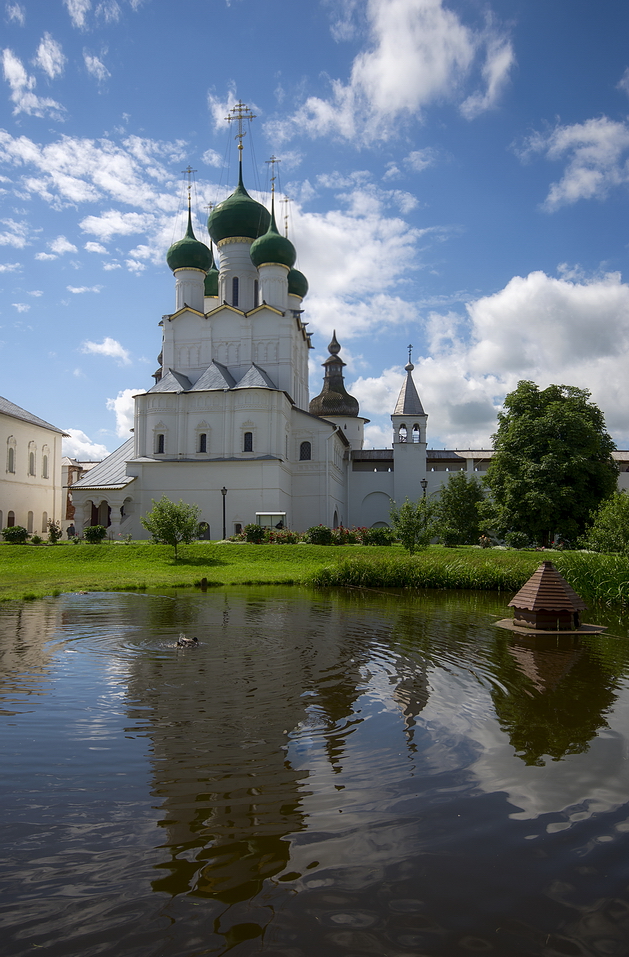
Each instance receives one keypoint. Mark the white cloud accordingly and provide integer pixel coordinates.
(212, 158)
(134, 266)
(36, 292)
(623, 83)
(61, 245)
(538, 327)
(95, 67)
(80, 446)
(49, 57)
(219, 109)
(16, 13)
(14, 234)
(44, 256)
(77, 290)
(596, 159)
(10, 267)
(108, 347)
(22, 86)
(418, 53)
(420, 160)
(113, 222)
(96, 248)
(21, 306)
(110, 266)
(78, 10)
(109, 11)
(123, 406)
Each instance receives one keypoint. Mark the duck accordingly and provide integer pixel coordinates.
(183, 642)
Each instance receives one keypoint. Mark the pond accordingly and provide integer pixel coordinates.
(346, 774)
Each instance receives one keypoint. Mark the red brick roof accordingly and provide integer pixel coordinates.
(546, 590)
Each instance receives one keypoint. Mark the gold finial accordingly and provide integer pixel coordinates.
(286, 201)
(188, 171)
(240, 112)
(410, 354)
(273, 161)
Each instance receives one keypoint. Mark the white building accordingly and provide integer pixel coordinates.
(228, 425)
(30, 492)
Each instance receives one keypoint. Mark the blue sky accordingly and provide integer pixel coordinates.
(457, 174)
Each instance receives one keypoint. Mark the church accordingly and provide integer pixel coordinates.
(228, 424)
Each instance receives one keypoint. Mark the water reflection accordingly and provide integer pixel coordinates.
(341, 774)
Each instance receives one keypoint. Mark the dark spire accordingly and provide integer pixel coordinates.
(334, 398)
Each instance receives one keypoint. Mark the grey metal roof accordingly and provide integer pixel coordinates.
(173, 381)
(256, 378)
(10, 408)
(216, 376)
(111, 472)
(408, 402)
(372, 455)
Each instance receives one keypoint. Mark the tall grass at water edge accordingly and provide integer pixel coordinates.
(599, 579)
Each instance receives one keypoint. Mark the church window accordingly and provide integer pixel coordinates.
(11, 460)
(256, 292)
(44, 521)
(1, 522)
(29, 523)
(305, 452)
(159, 444)
(203, 442)
(44, 468)
(248, 442)
(235, 291)
(402, 433)
(416, 433)
(31, 463)
(10, 519)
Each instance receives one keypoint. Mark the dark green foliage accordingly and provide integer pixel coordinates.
(319, 535)
(552, 465)
(36, 540)
(172, 524)
(414, 523)
(254, 533)
(15, 535)
(376, 536)
(609, 531)
(517, 539)
(54, 531)
(94, 534)
(457, 518)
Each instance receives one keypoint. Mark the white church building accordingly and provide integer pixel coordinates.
(228, 424)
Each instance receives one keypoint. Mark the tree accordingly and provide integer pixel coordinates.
(553, 463)
(414, 523)
(54, 531)
(458, 521)
(172, 524)
(609, 531)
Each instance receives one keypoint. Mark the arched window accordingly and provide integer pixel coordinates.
(235, 291)
(10, 519)
(44, 467)
(305, 452)
(248, 442)
(29, 523)
(44, 522)
(416, 433)
(160, 444)
(11, 460)
(256, 292)
(203, 442)
(402, 433)
(31, 463)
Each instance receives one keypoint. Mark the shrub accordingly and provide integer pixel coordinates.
(283, 536)
(485, 541)
(36, 540)
(15, 535)
(54, 531)
(94, 534)
(377, 536)
(319, 535)
(517, 539)
(254, 533)
(450, 536)
(414, 523)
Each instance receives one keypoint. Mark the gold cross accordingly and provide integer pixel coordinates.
(240, 112)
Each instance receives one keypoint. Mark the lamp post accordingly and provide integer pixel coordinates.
(424, 485)
(224, 493)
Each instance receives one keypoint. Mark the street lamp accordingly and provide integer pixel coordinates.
(224, 493)
(424, 485)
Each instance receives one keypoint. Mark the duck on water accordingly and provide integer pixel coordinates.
(183, 642)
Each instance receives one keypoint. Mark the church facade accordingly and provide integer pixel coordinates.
(228, 424)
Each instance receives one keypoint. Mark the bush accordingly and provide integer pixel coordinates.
(282, 536)
(414, 523)
(54, 531)
(450, 537)
(254, 533)
(319, 535)
(485, 541)
(36, 540)
(15, 535)
(517, 540)
(377, 536)
(94, 534)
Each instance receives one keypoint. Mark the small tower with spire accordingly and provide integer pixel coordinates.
(334, 401)
(190, 261)
(409, 439)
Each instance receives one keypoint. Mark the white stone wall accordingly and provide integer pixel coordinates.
(21, 492)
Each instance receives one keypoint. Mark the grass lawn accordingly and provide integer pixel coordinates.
(30, 571)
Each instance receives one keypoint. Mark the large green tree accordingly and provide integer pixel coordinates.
(172, 524)
(414, 523)
(609, 531)
(457, 510)
(553, 463)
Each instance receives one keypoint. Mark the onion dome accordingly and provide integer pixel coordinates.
(211, 280)
(238, 215)
(297, 283)
(273, 248)
(189, 253)
(334, 399)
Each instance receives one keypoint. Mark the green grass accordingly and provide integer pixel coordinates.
(28, 571)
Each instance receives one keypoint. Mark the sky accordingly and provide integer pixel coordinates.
(456, 174)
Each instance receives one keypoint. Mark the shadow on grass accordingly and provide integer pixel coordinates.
(196, 561)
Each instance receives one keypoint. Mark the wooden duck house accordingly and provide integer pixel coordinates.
(547, 604)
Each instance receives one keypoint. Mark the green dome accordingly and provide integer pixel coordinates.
(238, 215)
(273, 248)
(189, 253)
(297, 284)
(211, 280)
